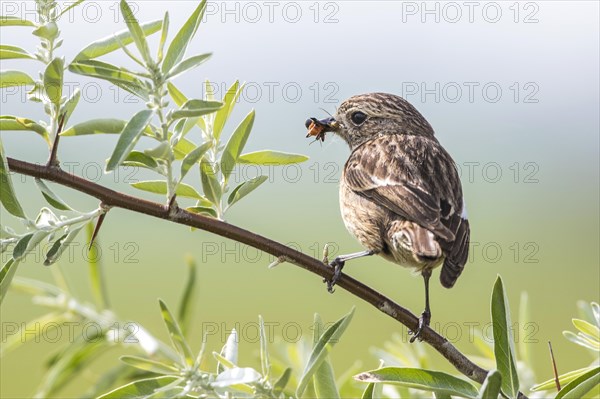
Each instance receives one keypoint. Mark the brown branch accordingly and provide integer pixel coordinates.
(115, 199)
(53, 160)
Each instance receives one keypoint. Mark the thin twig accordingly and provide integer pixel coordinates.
(98, 225)
(53, 160)
(115, 199)
(556, 380)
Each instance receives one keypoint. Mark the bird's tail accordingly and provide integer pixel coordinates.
(457, 256)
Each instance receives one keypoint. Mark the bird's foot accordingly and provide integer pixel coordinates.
(423, 322)
(338, 265)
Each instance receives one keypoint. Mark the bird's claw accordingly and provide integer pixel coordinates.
(338, 265)
(423, 322)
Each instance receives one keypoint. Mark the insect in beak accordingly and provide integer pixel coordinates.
(318, 128)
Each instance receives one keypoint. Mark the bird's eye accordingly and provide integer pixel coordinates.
(358, 117)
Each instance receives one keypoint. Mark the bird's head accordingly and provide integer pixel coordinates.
(367, 116)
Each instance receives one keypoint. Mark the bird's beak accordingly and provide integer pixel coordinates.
(330, 124)
(317, 128)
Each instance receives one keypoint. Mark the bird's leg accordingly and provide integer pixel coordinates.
(338, 264)
(426, 315)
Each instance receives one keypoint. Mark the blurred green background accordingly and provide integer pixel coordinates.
(514, 97)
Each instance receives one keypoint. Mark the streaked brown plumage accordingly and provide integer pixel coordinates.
(400, 192)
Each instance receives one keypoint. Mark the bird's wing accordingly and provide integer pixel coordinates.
(415, 178)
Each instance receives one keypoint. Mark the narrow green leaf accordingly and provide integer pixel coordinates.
(224, 362)
(178, 97)
(348, 387)
(182, 148)
(209, 91)
(104, 70)
(52, 198)
(426, 380)
(265, 362)
(210, 183)
(35, 287)
(321, 350)
(318, 328)
(269, 157)
(491, 386)
(185, 305)
(577, 388)
(7, 192)
(203, 210)
(181, 41)
(15, 78)
(9, 122)
(21, 247)
(53, 80)
(113, 42)
(187, 64)
(6, 275)
(595, 310)
(235, 145)
(324, 380)
(120, 77)
(141, 388)
(139, 38)
(60, 246)
(48, 31)
(163, 36)
(14, 21)
(74, 359)
(139, 159)
(111, 378)
(587, 328)
(55, 247)
(36, 93)
(161, 151)
(8, 52)
(229, 100)
(95, 126)
(586, 311)
(69, 106)
(160, 187)
(368, 392)
(245, 188)
(235, 376)
(582, 340)
(96, 271)
(282, 382)
(178, 129)
(194, 108)
(230, 350)
(504, 350)
(176, 336)
(149, 365)
(564, 380)
(193, 157)
(128, 138)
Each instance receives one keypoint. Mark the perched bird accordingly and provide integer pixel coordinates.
(400, 192)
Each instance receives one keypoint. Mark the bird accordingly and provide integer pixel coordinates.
(400, 191)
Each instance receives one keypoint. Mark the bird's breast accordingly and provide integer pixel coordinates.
(362, 218)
